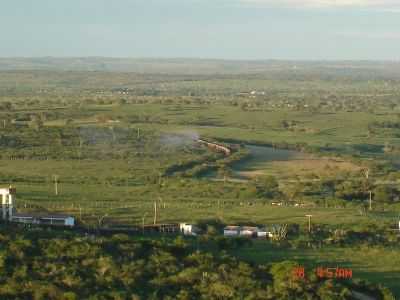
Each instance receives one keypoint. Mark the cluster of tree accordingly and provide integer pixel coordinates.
(386, 124)
(367, 234)
(79, 142)
(350, 187)
(289, 124)
(198, 167)
(185, 166)
(358, 190)
(264, 187)
(299, 146)
(53, 265)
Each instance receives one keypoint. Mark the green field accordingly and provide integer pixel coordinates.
(376, 264)
(118, 143)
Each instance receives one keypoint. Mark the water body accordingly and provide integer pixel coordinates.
(261, 157)
(260, 160)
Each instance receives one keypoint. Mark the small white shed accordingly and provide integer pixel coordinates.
(249, 231)
(264, 233)
(231, 230)
(187, 229)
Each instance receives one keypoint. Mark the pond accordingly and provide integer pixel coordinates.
(260, 161)
(261, 158)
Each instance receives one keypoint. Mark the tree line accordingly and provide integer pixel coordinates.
(43, 264)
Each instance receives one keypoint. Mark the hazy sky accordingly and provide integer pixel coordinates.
(231, 29)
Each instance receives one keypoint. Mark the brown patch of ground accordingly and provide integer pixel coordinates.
(302, 166)
(318, 166)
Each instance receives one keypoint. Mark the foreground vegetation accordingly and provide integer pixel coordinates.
(108, 146)
(40, 264)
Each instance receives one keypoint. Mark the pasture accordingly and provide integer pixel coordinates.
(118, 144)
(377, 265)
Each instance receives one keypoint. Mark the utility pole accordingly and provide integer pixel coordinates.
(366, 173)
(309, 223)
(80, 147)
(138, 133)
(55, 184)
(370, 200)
(399, 225)
(113, 133)
(80, 212)
(155, 213)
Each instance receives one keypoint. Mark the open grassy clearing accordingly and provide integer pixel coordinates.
(111, 137)
(375, 264)
(223, 121)
(128, 204)
(284, 163)
(317, 166)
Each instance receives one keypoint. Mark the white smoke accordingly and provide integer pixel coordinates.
(179, 139)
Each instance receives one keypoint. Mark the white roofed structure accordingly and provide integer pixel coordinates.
(7, 197)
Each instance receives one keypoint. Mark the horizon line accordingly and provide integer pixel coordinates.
(203, 58)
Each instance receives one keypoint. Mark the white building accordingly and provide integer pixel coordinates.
(231, 230)
(187, 229)
(248, 231)
(8, 213)
(7, 196)
(56, 220)
(264, 233)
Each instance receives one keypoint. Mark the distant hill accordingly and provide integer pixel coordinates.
(204, 66)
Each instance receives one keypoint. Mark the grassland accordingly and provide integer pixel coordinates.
(376, 264)
(109, 137)
(113, 127)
